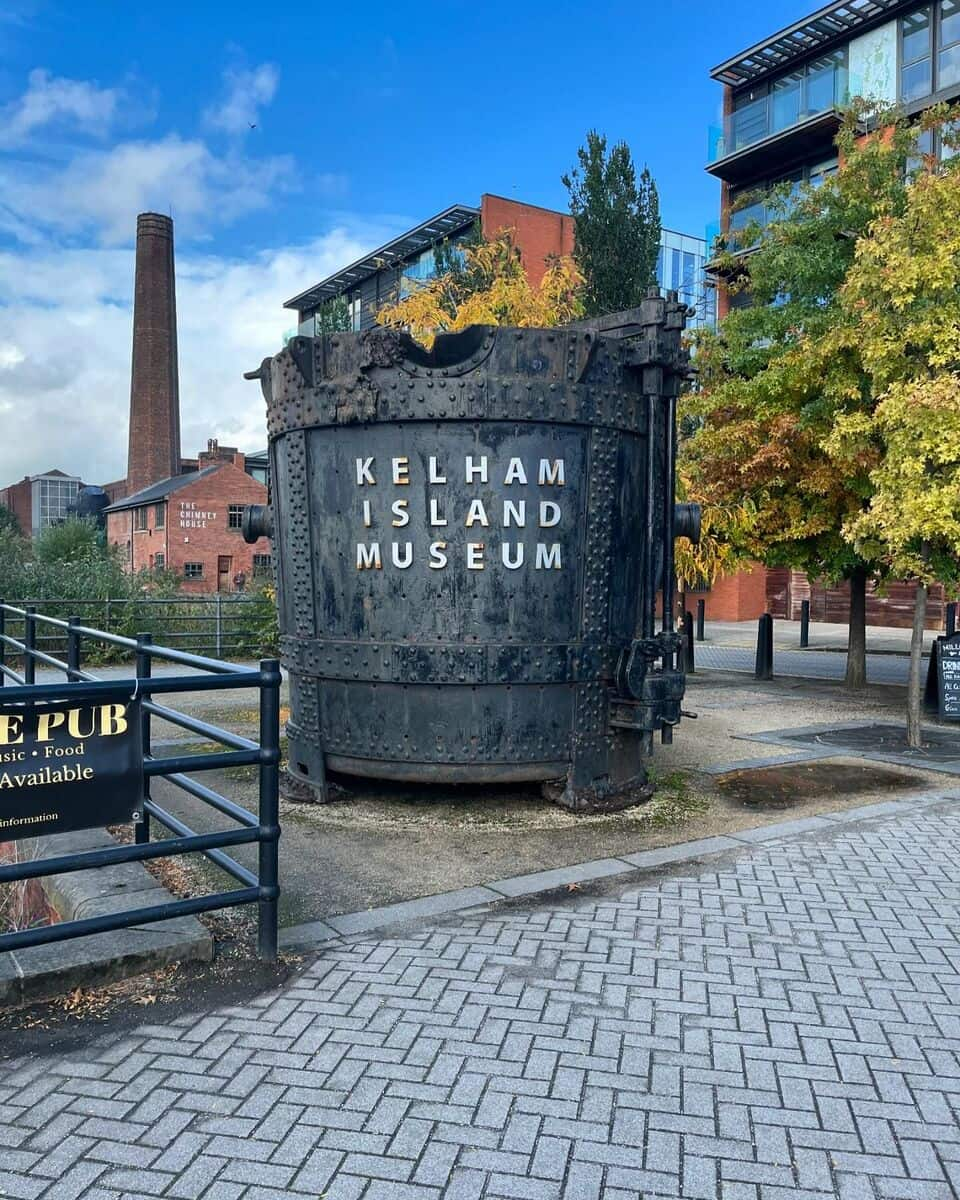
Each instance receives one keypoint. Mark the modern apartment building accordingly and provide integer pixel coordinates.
(783, 100)
(393, 270)
(783, 97)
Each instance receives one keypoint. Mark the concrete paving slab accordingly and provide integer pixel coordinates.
(682, 851)
(768, 833)
(411, 910)
(310, 933)
(544, 881)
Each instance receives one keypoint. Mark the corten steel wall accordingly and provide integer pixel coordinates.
(154, 439)
(195, 529)
(429, 634)
(538, 233)
(786, 591)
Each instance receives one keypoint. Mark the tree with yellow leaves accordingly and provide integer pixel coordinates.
(900, 306)
(491, 289)
(780, 377)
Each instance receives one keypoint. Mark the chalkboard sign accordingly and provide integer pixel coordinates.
(70, 765)
(948, 678)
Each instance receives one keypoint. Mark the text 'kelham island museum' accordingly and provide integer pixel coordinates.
(473, 514)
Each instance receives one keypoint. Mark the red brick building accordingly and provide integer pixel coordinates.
(172, 513)
(191, 524)
(540, 234)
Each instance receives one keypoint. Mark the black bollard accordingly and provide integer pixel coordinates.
(951, 618)
(804, 624)
(701, 617)
(764, 668)
(689, 663)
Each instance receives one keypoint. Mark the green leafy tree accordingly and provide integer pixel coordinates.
(70, 541)
(8, 522)
(333, 316)
(617, 226)
(770, 394)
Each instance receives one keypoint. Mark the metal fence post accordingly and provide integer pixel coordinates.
(269, 865)
(73, 647)
(764, 668)
(951, 618)
(701, 619)
(144, 667)
(29, 645)
(689, 663)
(3, 644)
(804, 624)
(219, 625)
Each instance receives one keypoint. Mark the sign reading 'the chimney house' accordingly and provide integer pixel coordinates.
(69, 765)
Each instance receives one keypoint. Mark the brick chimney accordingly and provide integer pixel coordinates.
(154, 446)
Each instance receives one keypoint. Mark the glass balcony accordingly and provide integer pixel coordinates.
(821, 88)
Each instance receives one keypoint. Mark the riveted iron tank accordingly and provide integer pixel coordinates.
(472, 546)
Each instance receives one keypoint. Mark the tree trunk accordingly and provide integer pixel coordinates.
(856, 677)
(914, 685)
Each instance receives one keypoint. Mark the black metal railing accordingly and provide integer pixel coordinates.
(220, 625)
(263, 828)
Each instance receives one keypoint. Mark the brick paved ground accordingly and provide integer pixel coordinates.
(781, 1024)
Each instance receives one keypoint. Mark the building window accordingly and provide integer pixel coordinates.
(754, 207)
(929, 50)
(159, 562)
(193, 570)
(916, 54)
(235, 516)
(56, 496)
(353, 313)
(262, 565)
(761, 111)
(140, 519)
(948, 44)
(159, 515)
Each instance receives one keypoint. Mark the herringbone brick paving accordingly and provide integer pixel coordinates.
(781, 1024)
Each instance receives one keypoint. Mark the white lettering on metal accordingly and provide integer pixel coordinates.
(513, 555)
(368, 556)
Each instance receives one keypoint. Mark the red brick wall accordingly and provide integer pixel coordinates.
(18, 498)
(154, 436)
(538, 233)
(195, 530)
(739, 597)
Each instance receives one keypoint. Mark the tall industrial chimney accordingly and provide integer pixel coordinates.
(154, 446)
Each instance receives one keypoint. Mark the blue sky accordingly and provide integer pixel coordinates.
(367, 119)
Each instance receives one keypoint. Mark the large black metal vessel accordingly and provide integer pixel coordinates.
(472, 547)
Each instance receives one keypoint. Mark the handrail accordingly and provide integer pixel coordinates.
(207, 674)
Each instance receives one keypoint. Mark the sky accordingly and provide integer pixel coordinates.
(287, 140)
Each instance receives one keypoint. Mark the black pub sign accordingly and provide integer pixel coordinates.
(69, 765)
(948, 671)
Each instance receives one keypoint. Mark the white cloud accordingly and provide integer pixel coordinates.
(48, 100)
(100, 192)
(65, 350)
(247, 91)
